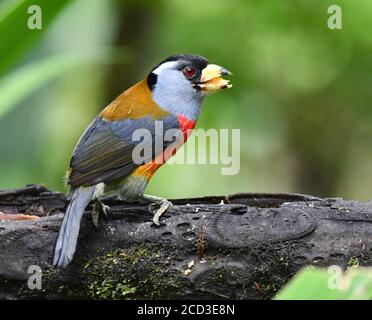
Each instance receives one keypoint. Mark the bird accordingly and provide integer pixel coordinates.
(106, 158)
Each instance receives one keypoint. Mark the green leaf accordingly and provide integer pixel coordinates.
(15, 37)
(16, 86)
(319, 284)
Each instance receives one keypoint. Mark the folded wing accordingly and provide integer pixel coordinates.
(105, 150)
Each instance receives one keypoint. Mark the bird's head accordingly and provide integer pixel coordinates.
(180, 82)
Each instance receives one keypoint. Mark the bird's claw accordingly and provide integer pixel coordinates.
(158, 208)
(99, 207)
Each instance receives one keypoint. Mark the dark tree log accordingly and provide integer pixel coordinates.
(244, 246)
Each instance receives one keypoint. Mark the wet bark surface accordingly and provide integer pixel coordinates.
(242, 246)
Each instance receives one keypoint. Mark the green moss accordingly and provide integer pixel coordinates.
(111, 289)
(353, 262)
(139, 272)
(135, 273)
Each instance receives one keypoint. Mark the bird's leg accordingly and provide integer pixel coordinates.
(157, 206)
(99, 207)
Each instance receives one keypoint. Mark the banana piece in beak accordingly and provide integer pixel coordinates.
(211, 78)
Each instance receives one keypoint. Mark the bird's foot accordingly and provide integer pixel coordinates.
(157, 206)
(99, 207)
(163, 205)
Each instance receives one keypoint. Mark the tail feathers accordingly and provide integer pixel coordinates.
(69, 232)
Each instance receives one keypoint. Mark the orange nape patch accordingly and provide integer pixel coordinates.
(134, 103)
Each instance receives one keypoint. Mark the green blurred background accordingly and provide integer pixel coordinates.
(301, 97)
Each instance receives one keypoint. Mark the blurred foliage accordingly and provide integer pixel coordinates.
(318, 284)
(19, 84)
(16, 38)
(301, 94)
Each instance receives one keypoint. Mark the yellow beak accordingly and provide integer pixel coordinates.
(211, 78)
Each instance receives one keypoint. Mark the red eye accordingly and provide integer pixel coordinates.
(189, 72)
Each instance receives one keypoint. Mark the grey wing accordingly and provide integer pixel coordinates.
(105, 150)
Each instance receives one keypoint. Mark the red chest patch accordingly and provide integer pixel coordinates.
(186, 125)
(148, 170)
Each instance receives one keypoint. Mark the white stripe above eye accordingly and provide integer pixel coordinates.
(165, 65)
